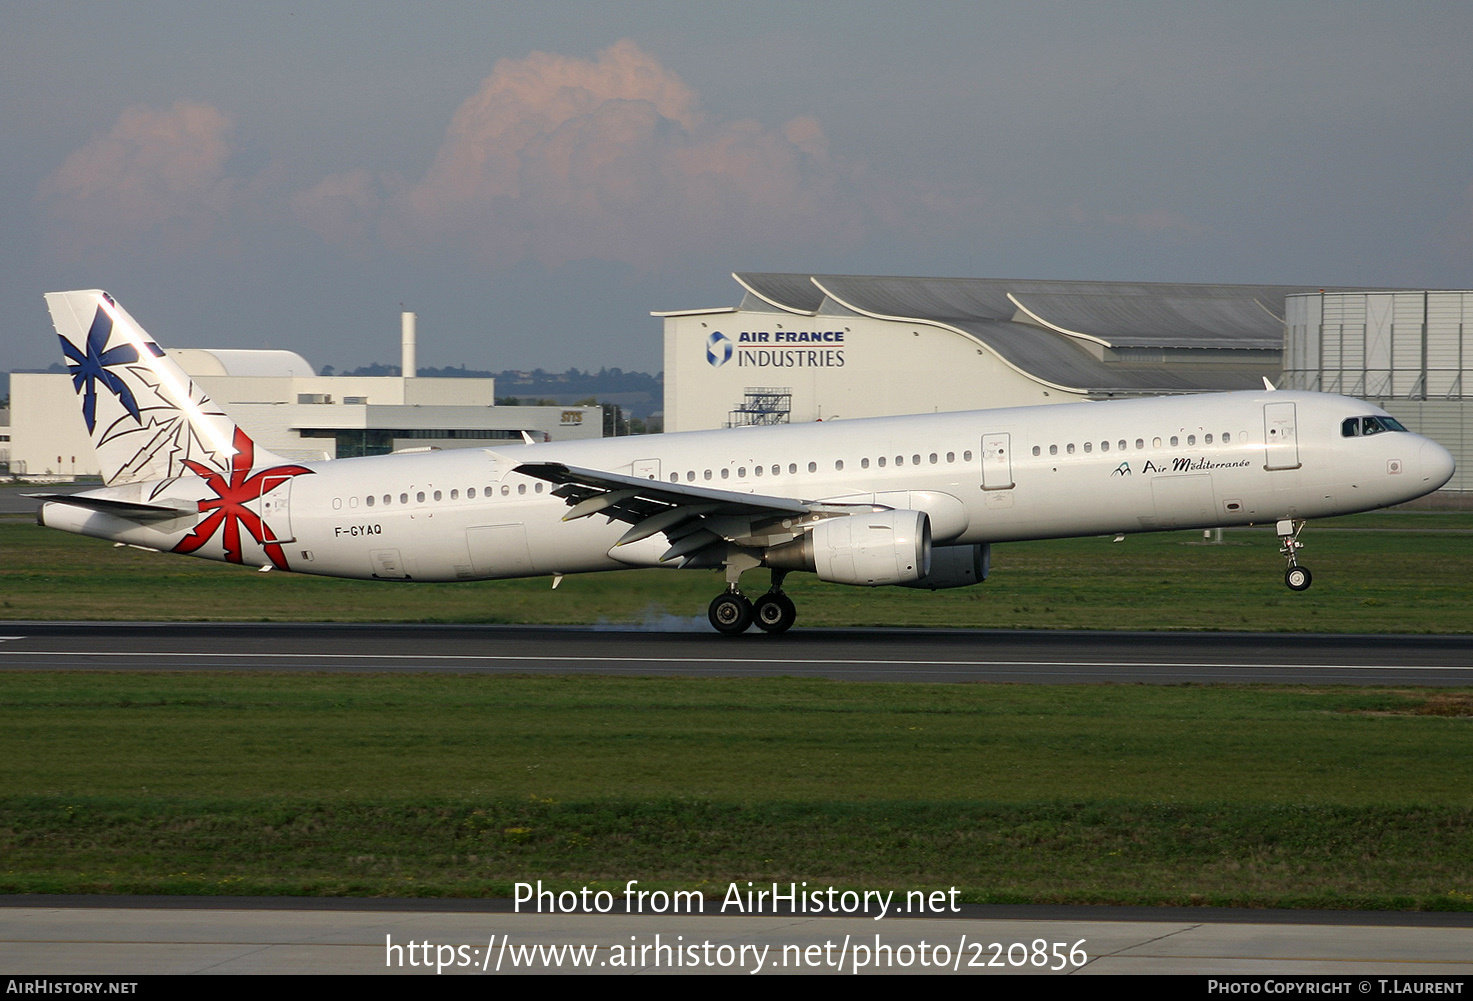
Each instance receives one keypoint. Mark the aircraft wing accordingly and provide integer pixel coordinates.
(691, 517)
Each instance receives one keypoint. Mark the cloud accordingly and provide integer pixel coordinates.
(157, 173)
(556, 158)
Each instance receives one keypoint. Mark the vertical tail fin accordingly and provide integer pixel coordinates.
(145, 416)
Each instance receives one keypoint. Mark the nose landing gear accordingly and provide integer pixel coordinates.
(1296, 577)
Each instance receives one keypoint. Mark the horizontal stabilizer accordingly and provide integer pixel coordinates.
(123, 509)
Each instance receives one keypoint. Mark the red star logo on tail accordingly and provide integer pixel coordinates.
(228, 509)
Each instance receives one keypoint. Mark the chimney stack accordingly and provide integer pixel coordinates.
(407, 343)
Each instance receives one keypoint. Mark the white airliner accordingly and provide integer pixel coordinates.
(911, 501)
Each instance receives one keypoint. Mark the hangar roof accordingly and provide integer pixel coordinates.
(1105, 337)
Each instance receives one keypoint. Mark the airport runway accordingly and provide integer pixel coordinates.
(930, 655)
(424, 938)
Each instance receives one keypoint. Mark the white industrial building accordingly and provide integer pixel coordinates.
(276, 397)
(841, 346)
(820, 347)
(1409, 352)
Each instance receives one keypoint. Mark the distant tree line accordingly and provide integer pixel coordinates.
(534, 383)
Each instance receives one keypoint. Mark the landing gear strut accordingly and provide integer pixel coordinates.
(1296, 577)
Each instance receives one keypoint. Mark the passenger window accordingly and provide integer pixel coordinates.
(419, 497)
(1226, 437)
(757, 470)
(863, 463)
(950, 456)
(387, 500)
(538, 487)
(1191, 439)
(1089, 446)
(967, 455)
(1207, 439)
(437, 495)
(1174, 440)
(881, 461)
(471, 493)
(369, 500)
(505, 490)
(839, 465)
(521, 488)
(1122, 445)
(1053, 450)
(1140, 443)
(1069, 448)
(933, 458)
(690, 476)
(1037, 450)
(403, 498)
(674, 477)
(900, 460)
(725, 473)
(915, 460)
(792, 468)
(777, 470)
(1104, 446)
(706, 474)
(813, 467)
(741, 472)
(1155, 442)
(337, 503)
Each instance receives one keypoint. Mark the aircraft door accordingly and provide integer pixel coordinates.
(499, 550)
(997, 462)
(276, 517)
(646, 469)
(1281, 436)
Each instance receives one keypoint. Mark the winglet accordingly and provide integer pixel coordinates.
(1269, 386)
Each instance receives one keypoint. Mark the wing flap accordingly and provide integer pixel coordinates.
(691, 517)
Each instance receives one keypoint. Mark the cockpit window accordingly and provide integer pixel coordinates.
(1353, 427)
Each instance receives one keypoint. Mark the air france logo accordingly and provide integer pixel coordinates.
(718, 349)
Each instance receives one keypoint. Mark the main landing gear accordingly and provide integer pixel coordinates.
(731, 613)
(1296, 577)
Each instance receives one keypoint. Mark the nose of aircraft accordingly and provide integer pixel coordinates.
(1436, 464)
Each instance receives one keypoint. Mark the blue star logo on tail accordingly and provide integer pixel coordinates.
(92, 367)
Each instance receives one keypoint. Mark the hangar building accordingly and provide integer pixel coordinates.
(804, 347)
(824, 346)
(1409, 352)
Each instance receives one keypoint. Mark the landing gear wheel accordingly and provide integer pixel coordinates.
(1298, 578)
(731, 614)
(775, 612)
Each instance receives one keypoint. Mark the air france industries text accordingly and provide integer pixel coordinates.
(829, 355)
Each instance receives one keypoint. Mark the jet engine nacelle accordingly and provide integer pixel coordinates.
(880, 547)
(956, 566)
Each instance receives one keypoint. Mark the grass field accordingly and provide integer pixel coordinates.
(1389, 572)
(462, 785)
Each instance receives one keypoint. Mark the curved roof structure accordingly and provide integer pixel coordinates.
(241, 362)
(1096, 337)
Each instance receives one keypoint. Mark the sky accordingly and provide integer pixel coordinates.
(534, 180)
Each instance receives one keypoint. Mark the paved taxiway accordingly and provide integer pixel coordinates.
(179, 936)
(934, 655)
